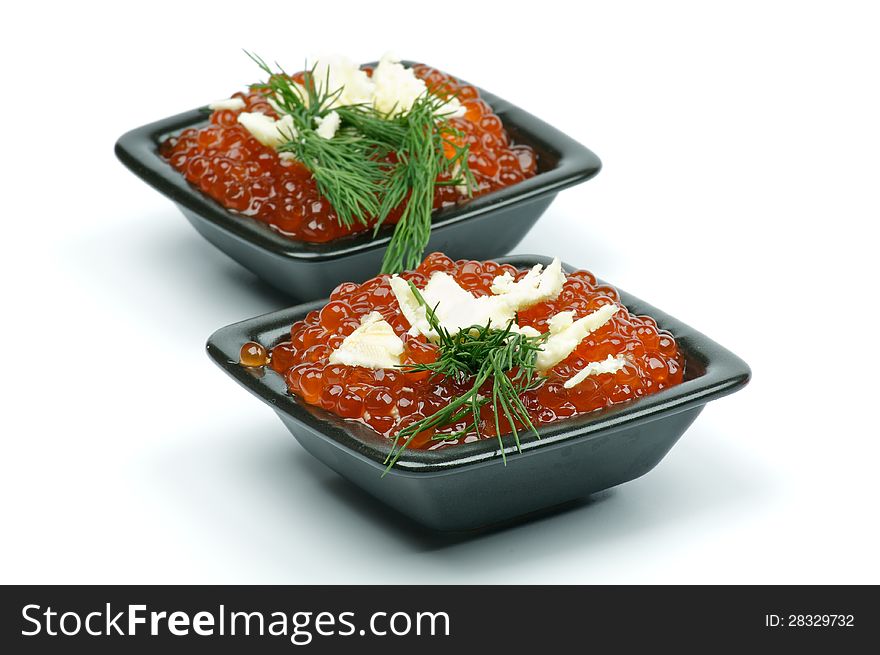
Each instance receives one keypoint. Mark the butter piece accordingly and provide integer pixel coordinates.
(266, 130)
(566, 334)
(610, 364)
(457, 308)
(228, 103)
(327, 125)
(374, 344)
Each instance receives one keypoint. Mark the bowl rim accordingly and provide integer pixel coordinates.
(715, 372)
(137, 149)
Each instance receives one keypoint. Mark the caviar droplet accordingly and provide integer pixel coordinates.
(253, 355)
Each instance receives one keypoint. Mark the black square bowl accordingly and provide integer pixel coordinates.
(468, 486)
(483, 228)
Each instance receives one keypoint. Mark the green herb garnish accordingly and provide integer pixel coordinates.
(421, 159)
(352, 170)
(483, 354)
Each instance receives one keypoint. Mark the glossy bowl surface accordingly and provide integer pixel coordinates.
(484, 228)
(468, 486)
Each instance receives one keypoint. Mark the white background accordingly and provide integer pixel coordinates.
(741, 147)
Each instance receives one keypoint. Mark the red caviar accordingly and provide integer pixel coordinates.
(388, 400)
(236, 170)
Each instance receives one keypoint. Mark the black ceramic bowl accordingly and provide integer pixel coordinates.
(468, 486)
(483, 228)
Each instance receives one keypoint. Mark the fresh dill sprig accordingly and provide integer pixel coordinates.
(352, 169)
(480, 354)
(421, 160)
(346, 168)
